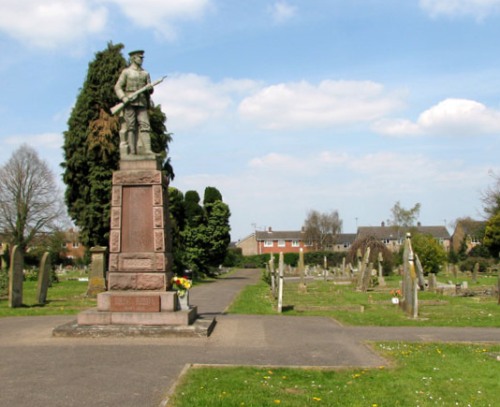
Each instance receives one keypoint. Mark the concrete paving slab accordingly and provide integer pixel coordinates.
(39, 369)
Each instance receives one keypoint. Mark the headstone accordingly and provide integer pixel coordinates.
(302, 285)
(432, 282)
(410, 282)
(273, 275)
(364, 272)
(280, 284)
(43, 279)
(475, 273)
(97, 275)
(16, 278)
(420, 273)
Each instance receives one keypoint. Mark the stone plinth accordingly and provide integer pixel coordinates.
(137, 301)
(140, 249)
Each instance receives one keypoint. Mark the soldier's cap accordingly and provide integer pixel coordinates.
(137, 52)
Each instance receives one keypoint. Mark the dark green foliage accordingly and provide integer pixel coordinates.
(470, 263)
(333, 259)
(211, 195)
(431, 253)
(479, 251)
(376, 247)
(492, 235)
(86, 174)
(200, 233)
(217, 231)
(160, 138)
(91, 147)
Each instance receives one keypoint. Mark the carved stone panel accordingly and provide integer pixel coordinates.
(114, 241)
(137, 177)
(157, 195)
(116, 196)
(158, 217)
(159, 240)
(116, 217)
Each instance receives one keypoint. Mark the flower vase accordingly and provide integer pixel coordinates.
(184, 301)
(395, 300)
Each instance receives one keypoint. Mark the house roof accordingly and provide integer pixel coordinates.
(279, 235)
(472, 227)
(393, 233)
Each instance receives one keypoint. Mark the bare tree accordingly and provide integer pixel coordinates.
(30, 202)
(491, 196)
(402, 217)
(321, 229)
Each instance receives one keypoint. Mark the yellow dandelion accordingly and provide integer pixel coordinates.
(316, 399)
(277, 401)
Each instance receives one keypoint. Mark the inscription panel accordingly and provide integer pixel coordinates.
(135, 303)
(137, 219)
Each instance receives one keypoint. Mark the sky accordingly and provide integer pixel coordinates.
(285, 106)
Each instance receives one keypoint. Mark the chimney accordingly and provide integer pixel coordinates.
(382, 224)
(269, 229)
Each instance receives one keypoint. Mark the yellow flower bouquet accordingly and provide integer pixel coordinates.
(181, 285)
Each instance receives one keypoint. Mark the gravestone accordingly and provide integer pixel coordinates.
(16, 278)
(302, 284)
(420, 273)
(381, 279)
(272, 272)
(432, 282)
(43, 279)
(97, 274)
(475, 273)
(280, 283)
(409, 302)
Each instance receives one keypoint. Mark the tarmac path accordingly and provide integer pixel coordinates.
(38, 369)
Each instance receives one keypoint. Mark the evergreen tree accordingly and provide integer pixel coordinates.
(217, 216)
(91, 147)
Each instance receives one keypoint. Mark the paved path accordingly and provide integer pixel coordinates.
(38, 369)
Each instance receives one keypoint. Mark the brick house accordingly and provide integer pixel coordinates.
(468, 230)
(263, 242)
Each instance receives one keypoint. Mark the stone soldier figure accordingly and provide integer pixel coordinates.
(137, 130)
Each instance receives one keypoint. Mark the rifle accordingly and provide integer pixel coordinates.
(118, 107)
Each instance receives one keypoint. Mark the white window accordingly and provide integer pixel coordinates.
(268, 243)
(295, 243)
(281, 243)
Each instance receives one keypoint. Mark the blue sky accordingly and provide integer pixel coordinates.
(283, 105)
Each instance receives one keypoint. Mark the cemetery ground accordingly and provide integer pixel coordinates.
(422, 373)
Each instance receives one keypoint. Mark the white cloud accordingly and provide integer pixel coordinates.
(281, 11)
(453, 117)
(47, 140)
(51, 23)
(476, 8)
(358, 185)
(161, 14)
(190, 100)
(54, 23)
(303, 105)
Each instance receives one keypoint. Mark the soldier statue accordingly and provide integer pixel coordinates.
(134, 88)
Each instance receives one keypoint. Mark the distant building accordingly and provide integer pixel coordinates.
(469, 231)
(270, 241)
(393, 237)
(72, 247)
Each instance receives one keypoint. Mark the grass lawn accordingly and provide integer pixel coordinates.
(350, 307)
(64, 298)
(422, 374)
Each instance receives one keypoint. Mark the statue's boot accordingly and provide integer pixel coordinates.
(132, 142)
